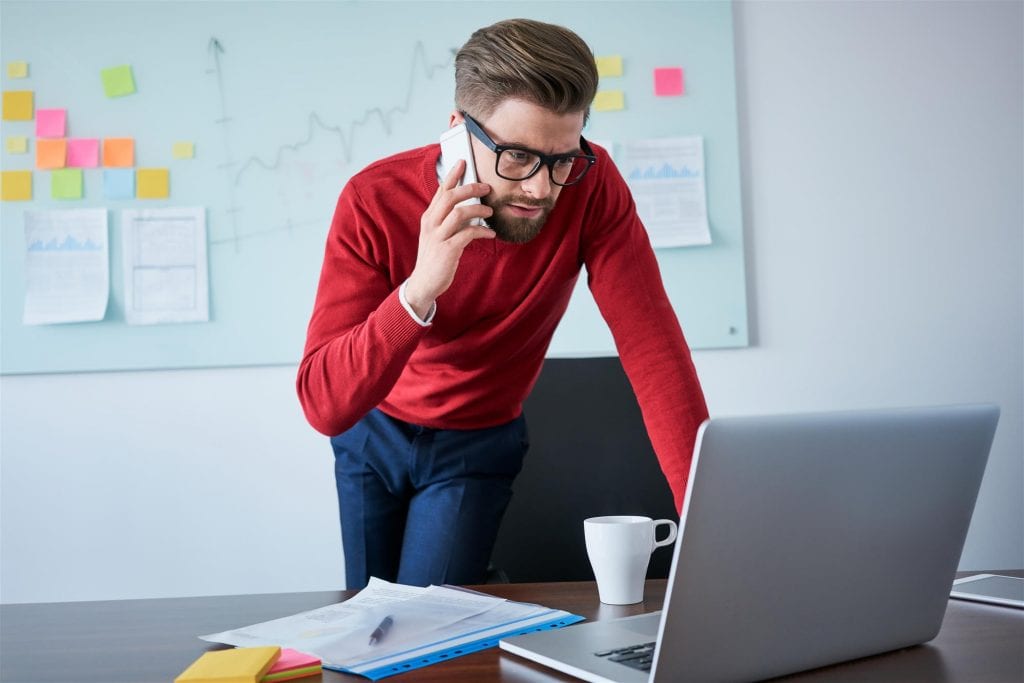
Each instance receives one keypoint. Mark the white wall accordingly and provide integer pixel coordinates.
(882, 159)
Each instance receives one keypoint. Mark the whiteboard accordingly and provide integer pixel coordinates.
(284, 101)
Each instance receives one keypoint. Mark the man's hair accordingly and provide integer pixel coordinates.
(543, 64)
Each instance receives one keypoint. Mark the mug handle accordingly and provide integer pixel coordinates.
(671, 532)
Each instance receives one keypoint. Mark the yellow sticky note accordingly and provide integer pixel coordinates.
(17, 144)
(609, 100)
(51, 153)
(15, 186)
(17, 69)
(152, 183)
(17, 105)
(609, 66)
(183, 150)
(118, 152)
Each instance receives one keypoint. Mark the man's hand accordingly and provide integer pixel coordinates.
(444, 234)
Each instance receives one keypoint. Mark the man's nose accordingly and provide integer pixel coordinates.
(539, 184)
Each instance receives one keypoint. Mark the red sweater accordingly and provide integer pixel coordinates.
(473, 367)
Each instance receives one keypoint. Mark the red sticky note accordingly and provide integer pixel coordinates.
(668, 81)
(83, 153)
(50, 123)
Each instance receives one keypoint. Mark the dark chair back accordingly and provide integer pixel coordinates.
(589, 456)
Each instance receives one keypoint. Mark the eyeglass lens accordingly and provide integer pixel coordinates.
(517, 164)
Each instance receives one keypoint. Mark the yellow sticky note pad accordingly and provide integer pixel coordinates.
(15, 186)
(152, 183)
(183, 150)
(17, 69)
(239, 665)
(17, 144)
(17, 105)
(609, 100)
(609, 66)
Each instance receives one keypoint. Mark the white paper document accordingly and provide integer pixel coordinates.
(67, 266)
(166, 279)
(666, 177)
(426, 625)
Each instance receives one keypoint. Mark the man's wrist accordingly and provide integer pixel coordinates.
(421, 312)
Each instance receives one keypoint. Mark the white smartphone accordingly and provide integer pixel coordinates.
(991, 588)
(455, 145)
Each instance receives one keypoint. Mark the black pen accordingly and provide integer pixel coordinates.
(381, 630)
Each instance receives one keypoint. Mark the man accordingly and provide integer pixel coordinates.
(429, 332)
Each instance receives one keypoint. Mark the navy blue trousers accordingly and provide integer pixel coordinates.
(422, 506)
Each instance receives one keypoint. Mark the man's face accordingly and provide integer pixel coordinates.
(521, 207)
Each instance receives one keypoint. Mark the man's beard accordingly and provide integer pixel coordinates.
(515, 229)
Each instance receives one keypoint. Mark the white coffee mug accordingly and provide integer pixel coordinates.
(619, 548)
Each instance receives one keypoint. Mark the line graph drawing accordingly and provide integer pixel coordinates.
(385, 116)
(216, 49)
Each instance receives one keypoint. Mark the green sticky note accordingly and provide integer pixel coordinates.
(118, 81)
(66, 183)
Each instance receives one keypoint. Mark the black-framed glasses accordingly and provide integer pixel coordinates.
(520, 163)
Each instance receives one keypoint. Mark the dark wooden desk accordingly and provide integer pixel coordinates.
(152, 641)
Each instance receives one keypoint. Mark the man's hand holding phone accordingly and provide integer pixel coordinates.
(445, 231)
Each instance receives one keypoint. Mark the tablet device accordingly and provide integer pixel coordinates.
(991, 588)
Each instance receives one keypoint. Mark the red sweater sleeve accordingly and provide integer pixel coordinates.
(624, 278)
(359, 337)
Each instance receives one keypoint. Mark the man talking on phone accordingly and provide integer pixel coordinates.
(429, 331)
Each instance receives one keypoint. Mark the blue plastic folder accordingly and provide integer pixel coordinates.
(418, 660)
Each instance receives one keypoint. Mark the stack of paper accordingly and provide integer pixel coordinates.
(241, 665)
(292, 665)
(425, 626)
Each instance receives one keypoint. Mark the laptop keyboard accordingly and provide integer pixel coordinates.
(634, 656)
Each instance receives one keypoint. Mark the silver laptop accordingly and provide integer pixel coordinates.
(805, 540)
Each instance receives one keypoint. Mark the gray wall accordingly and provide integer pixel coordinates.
(882, 166)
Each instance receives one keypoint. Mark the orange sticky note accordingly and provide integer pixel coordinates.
(152, 183)
(118, 152)
(15, 186)
(51, 153)
(668, 81)
(17, 105)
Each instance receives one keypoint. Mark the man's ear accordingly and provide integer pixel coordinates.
(455, 118)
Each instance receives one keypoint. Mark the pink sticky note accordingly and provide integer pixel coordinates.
(292, 659)
(50, 123)
(668, 81)
(83, 153)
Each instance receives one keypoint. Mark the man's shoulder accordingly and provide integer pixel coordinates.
(407, 163)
